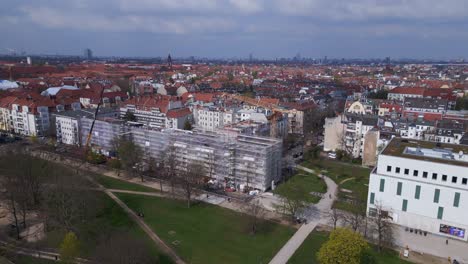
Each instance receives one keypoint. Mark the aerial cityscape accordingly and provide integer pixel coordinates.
(211, 132)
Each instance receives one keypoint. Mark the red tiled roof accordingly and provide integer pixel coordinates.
(177, 113)
(408, 90)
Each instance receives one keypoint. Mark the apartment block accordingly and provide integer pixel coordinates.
(422, 185)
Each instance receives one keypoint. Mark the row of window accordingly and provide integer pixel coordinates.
(417, 193)
(425, 174)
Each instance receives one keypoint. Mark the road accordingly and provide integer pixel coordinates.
(315, 214)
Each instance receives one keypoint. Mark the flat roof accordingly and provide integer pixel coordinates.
(428, 151)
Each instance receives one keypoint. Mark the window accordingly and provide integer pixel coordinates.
(434, 176)
(424, 174)
(464, 181)
(397, 169)
(389, 168)
(417, 193)
(382, 185)
(454, 179)
(372, 198)
(436, 195)
(415, 173)
(440, 213)
(444, 177)
(404, 205)
(456, 199)
(399, 187)
(406, 171)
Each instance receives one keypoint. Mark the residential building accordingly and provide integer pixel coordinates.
(423, 186)
(68, 123)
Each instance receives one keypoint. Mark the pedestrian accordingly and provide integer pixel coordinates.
(56, 258)
(329, 196)
(446, 242)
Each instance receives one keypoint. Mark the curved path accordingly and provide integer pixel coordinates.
(315, 214)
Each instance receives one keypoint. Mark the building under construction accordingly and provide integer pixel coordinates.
(230, 159)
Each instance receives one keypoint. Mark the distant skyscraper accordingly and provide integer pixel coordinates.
(250, 57)
(88, 54)
(169, 62)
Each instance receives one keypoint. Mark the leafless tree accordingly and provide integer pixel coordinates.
(292, 204)
(130, 155)
(335, 216)
(357, 213)
(68, 199)
(190, 179)
(255, 211)
(382, 226)
(123, 248)
(171, 166)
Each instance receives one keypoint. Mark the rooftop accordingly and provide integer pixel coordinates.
(428, 151)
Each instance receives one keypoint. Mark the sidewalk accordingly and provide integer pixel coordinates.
(317, 216)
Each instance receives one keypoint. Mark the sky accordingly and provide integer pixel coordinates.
(422, 29)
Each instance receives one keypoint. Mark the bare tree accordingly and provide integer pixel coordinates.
(171, 166)
(130, 155)
(255, 211)
(292, 203)
(382, 226)
(357, 215)
(335, 216)
(68, 199)
(190, 179)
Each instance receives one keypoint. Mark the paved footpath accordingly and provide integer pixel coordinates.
(318, 216)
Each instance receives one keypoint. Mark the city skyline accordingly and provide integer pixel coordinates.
(224, 29)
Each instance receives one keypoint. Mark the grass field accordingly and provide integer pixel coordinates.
(305, 183)
(358, 178)
(20, 259)
(306, 253)
(113, 183)
(110, 219)
(209, 234)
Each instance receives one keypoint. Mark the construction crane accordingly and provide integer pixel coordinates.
(88, 139)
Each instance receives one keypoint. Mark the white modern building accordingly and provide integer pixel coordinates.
(423, 186)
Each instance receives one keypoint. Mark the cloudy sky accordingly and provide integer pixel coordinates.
(229, 28)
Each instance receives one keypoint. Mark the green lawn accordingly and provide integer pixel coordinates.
(110, 219)
(113, 183)
(305, 183)
(306, 253)
(340, 171)
(209, 234)
(337, 170)
(20, 259)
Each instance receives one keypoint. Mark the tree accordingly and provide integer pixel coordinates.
(129, 116)
(22, 182)
(334, 216)
(292, 201)
(357, 215)
(380, 94)
(343, 246)
(190, 179)
(70, 248)
(187, 125)
(129, 153)
(382, 227)
(67, 200)
(123, 248)
(171, 166)
(255, 211)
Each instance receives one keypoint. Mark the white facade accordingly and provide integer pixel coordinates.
(68, 130)
(424, 191)
(29, 123)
